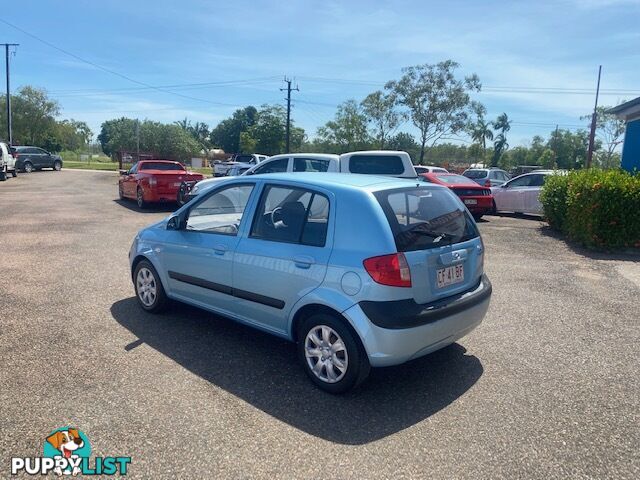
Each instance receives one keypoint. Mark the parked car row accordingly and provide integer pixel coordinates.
(26, 159)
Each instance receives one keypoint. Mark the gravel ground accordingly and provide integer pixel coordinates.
(546, 387)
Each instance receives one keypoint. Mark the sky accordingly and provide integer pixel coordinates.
(537, 61)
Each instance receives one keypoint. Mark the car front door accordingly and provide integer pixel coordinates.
(198, 257)
(510, 196)
(41, 158)
(285, 254)
(129, 182)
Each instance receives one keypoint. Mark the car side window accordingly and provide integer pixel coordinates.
(537, 180)
(291, 215)
(310, 165)
(133, 170)
(523, 181)
(221, 212)
(40, 151)
(275, 166)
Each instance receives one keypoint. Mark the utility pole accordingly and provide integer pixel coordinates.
(6, 53)
(288, 89)
(555, 147)
(594, 118)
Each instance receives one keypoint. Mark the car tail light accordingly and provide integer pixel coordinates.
(152, 182)
(392, 270)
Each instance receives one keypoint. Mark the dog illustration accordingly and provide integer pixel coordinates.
(66, 441)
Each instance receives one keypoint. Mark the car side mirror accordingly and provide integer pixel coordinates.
(124, 172)
(175, 223)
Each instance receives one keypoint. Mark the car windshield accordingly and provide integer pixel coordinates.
(476, 173)
(423, 218)
(455, 179)
(160, 166)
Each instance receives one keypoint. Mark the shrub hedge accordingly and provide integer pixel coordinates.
(598, 208)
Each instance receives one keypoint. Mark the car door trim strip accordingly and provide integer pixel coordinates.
(227, 290)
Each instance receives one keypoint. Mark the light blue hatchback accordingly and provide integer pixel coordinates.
(359, 270)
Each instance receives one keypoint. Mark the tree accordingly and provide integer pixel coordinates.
(610, 131)
(226, 134)
(570, 147)
(480, 130)
(547, 159)
(437, 103)
(199, 131)
(33, 116)
(348, 130)
(165, 141)
(380, 111)
(72, 135)
(405, 142)
(500, 145)
(535, 150)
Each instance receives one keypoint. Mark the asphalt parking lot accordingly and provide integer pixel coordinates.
(546, 387)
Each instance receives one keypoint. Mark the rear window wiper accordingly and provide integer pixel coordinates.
(437, 236)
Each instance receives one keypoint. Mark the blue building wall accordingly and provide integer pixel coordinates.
(631, 148)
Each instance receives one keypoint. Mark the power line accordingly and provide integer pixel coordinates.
(108, 70)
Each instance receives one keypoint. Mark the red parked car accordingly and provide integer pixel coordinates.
(477, 198)
(150, 181)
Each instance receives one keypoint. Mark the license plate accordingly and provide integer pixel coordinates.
(177, 184)
(470, 201)
(450, 275)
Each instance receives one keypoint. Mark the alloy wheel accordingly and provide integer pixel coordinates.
(326, 354)
(146, 287)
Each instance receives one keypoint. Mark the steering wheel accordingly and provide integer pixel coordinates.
(274, 212)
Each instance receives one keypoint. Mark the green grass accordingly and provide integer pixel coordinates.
(111, 166)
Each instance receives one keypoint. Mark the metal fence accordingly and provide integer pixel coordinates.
(127, 159)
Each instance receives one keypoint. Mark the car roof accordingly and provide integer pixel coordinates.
(340, 180)
(325, 156)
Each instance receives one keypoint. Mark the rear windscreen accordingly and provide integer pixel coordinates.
(376, 164)
(160, 166)
(422, 218)
(476, 173)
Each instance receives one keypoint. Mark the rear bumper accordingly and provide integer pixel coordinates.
(153, 196)
(394, 333)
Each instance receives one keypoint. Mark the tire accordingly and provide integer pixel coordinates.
(57, 165)
(494, 210)
(3, 175)
(477, 217)
(120, 192)
(140, 198)
(14, 173)
(330, 377)
(27, 167)
(180, 198)
(149, 290)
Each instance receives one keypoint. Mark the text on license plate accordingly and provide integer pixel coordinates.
(470, 201)
(450, 275)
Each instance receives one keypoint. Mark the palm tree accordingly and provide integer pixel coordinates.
(503, 125)
(480, 133)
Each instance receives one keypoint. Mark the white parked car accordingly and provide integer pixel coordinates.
(374, 162)
(420, 169)
(220, 169)
(7, 162)
(522, 194)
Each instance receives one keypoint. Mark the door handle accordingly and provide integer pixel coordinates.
(220, 249)
(303, 261)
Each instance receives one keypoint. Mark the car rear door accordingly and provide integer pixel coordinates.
(531, 198)
(438, 238)
(42, 158)
(285, 254)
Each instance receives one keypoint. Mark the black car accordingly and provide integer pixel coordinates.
(29, 159)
